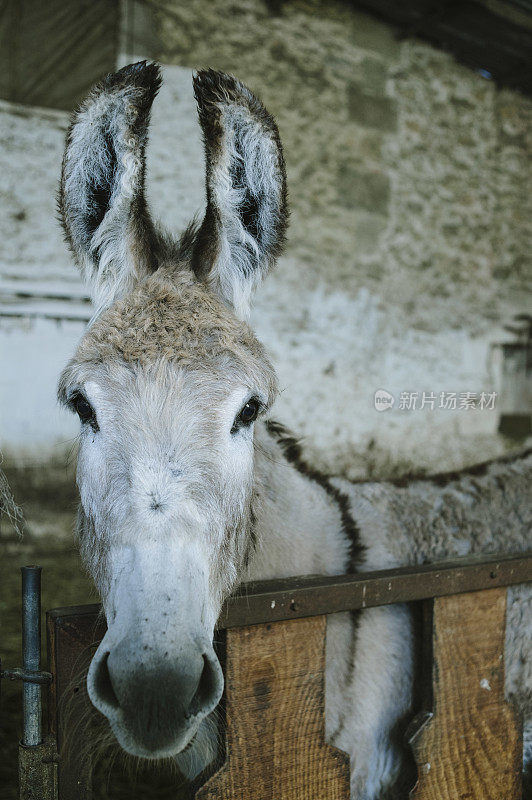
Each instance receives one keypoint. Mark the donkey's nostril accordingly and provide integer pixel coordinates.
(206, 688)
(103, 684)
(154, 704)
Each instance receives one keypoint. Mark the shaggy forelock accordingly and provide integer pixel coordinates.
(172, 317)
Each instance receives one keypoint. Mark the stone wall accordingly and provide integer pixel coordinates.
(408, 173)
(410, 242)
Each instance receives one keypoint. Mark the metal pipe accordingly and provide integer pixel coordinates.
(31, 653)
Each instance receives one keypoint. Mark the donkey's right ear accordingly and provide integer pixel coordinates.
(101, 198)
(244, 227)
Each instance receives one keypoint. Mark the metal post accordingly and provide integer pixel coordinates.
(31, 653)
(37, 761)
(37, 756)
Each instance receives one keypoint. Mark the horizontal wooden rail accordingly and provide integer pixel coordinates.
(309, 596)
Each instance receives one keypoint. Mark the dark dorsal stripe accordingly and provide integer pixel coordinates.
(444, 478)
(293, 453)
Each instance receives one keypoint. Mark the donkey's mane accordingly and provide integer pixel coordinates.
(169, 315)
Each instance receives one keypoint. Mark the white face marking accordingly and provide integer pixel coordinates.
(165, 483)
(165, 460)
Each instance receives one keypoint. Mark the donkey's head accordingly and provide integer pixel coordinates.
(167, 381)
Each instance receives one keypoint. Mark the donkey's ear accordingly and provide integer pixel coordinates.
(101, 197)
(246, 217)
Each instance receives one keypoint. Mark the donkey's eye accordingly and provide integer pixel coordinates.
(84, 410)
(249, 412)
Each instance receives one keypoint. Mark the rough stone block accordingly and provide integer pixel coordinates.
(370, 34)
(365, 190)
(367, 231)
(371, 110)
(373, 74)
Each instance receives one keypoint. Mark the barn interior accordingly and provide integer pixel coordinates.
(406, 276)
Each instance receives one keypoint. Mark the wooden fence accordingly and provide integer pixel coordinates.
(466, 740)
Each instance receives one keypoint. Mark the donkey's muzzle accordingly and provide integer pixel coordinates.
(155, 701)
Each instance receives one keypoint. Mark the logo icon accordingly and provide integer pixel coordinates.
(383, 400)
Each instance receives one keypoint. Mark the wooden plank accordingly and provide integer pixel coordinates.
(275, 718)
(71, 644)
(469, 746)
(308, 596)
(293, 598)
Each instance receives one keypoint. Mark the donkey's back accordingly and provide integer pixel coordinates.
(484, 509)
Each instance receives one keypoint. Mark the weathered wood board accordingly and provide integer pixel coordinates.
(275, 717)
(470, 749)
(72, 642)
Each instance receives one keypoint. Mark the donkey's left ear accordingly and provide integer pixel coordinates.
(101, 198)
(245, 222)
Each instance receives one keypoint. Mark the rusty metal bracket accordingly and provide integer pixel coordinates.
(28, 676)
(37, 770)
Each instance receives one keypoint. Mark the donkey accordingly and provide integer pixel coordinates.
(188, 487)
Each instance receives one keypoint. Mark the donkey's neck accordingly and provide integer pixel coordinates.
(302, 523)
(307, 523)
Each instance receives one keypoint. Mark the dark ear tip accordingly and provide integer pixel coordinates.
(142, 75)
(212, 86)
